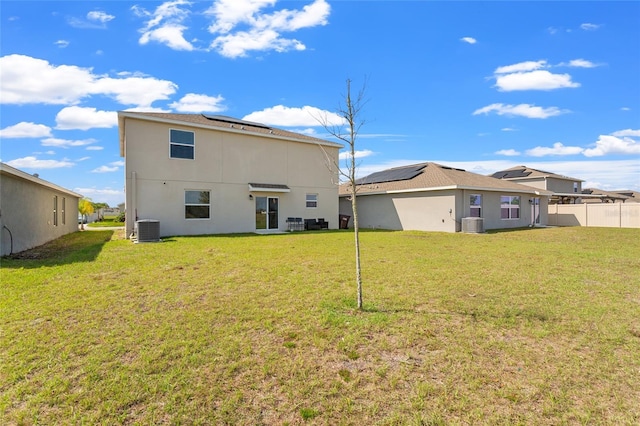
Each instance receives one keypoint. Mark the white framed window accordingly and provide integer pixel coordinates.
(510, 207)
(197, 204)
(312, 201)
(182, 144)
(475, 205)
(55, 210)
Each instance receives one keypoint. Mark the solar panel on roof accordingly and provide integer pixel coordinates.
(510, 174)
(232, 120)
(392, 175)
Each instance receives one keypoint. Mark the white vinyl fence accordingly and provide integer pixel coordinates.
(611, 215)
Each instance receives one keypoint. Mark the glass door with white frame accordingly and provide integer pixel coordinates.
(266, 213)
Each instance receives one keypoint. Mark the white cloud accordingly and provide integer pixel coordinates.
(521, 67)
(534, 80)
(582, 63)
(27, 80)
(509, 129)
(66, 143)
(469, 40)
(240, 27)
(627, 132)
(281, 115)
(35, 163)
(625, 109)
(522, 110)
(95, 148)
(165, 25)
(85, 118)
(192, 102)
(557, 149)
(100, 16)
(345, 155)
(508, 152)
(609, 144)
(26, 130)
(105, 169)
(589, 27)
(61, 43)
(107, 195)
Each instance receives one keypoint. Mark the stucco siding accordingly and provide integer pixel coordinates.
(27, 214)
(225, 164)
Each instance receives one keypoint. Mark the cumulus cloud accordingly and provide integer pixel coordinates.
(582, 63)
(85, 118)
(27, 80)
(281, 115)
(345, 155)
(627, 132)
(609, 144)
(469, 40)
(192, 102)
(35, 163)
(557, 149)
(521, 67)
(95, 148)
(534, 80)
(105, 169)
(522, 110)
(66, 143)
(95, 19)
(25, 130)
(242, 26)
(99, 16)
(165, 24)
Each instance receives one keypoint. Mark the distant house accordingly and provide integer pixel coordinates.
(566, 190)
(433, 197)
(33, 211)
(634, 196)
(594, 195)
(198, 174)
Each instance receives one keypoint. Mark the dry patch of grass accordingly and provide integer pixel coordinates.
(523, 327)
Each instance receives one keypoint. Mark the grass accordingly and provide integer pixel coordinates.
(106, 222)
(534, 326)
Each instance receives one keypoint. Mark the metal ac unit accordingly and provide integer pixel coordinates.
(472, 225)
(147, 230)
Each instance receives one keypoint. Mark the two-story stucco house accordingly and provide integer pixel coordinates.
(566, 190)
(197, 174)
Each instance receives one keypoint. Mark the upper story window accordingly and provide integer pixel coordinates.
(575, 186)
(510, 207)
(182, 144)
(312, 200)
(197, 204)
(475, 205)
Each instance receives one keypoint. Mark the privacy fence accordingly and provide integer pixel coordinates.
(612, 215)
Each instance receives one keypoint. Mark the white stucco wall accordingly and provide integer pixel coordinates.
(225, 163)
(26, 212)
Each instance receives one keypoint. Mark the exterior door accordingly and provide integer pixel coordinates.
(535, 211)
(266, 213)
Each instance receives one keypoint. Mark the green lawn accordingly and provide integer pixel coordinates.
(534, 326)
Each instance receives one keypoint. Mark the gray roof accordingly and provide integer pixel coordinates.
(524, 173)
(432, 176)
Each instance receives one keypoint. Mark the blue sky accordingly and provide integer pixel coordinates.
(479, 85)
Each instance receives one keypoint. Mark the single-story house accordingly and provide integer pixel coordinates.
(565, 190)
(433, 197)
(195, 174)
(33, 211)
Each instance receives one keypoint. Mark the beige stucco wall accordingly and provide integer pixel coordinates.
(225, 163)
(441, 210)
(609, 215)
(26, 210)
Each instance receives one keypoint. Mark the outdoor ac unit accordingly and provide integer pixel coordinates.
(147, 230)
(472, 225)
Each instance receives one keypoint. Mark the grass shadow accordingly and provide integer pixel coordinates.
(71, 248)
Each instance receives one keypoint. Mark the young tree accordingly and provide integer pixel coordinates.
(85, 208)
(347, 132)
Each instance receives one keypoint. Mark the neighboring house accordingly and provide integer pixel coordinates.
(594, 195)
(33, 211)
(566, 190)
(197, 174)
(433, 197)
(634, 196)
